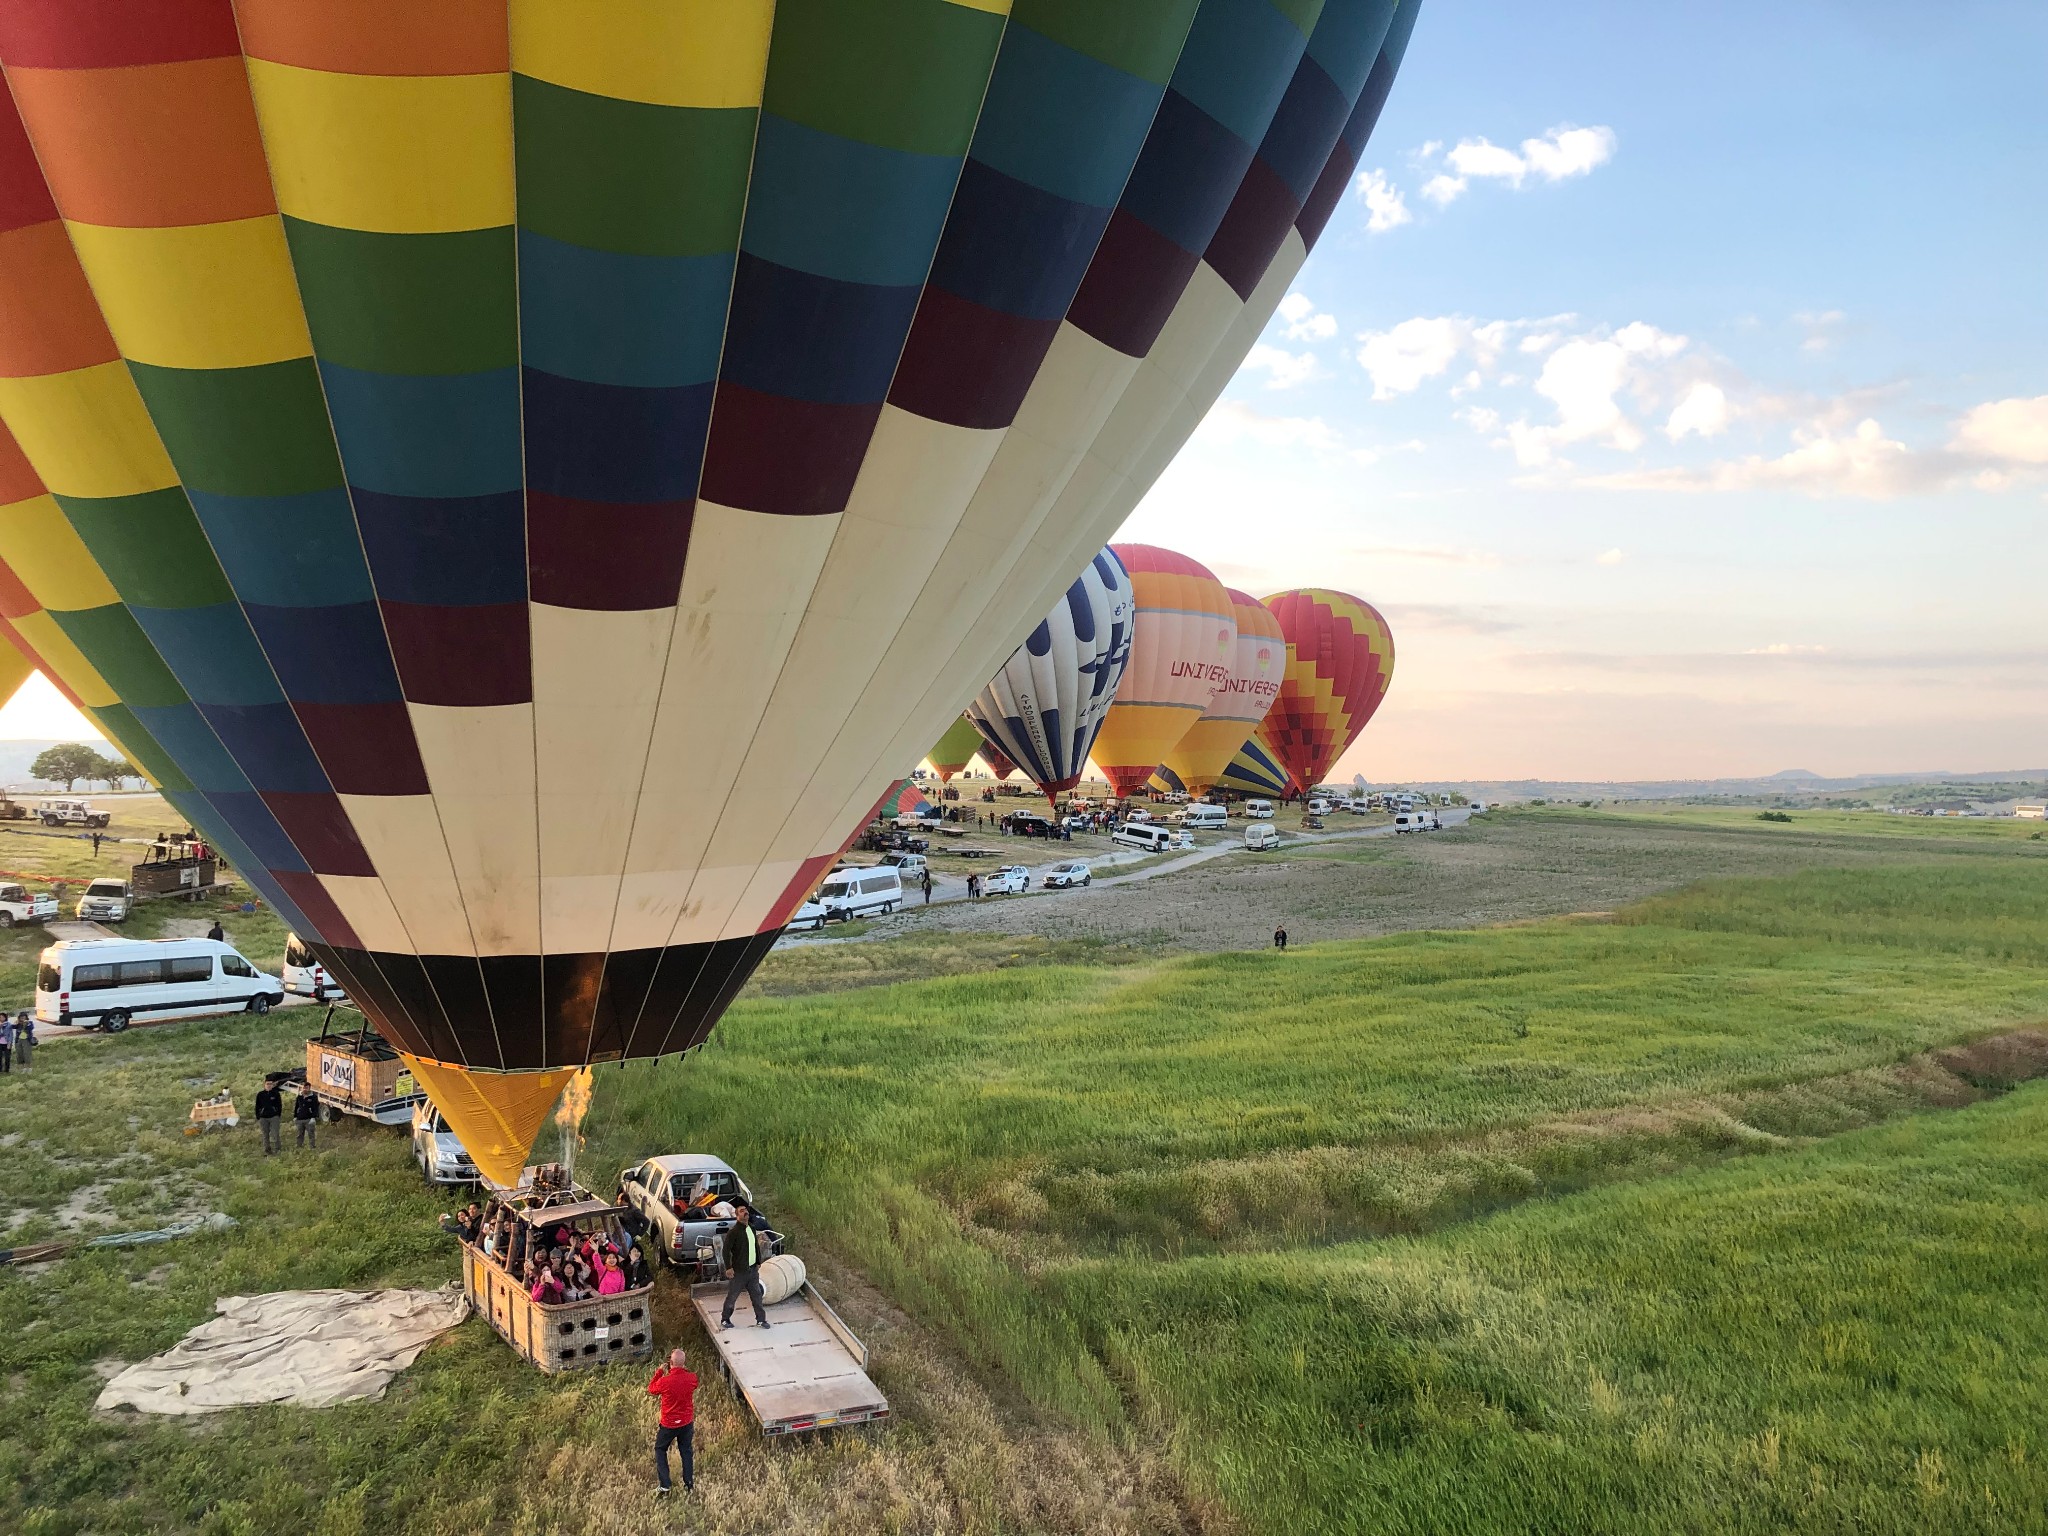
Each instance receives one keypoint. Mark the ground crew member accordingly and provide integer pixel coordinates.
(1280, 938)
(217, 933)
(743, 1259)
(306, 1116)
(677, 1389)
(269, 1111)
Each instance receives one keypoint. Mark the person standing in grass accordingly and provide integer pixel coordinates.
(306, 1116)
(25, 1040)
(6, 1043)
(1280, 937)
(927, 882)
(217, 933)
(677, 1389)
(269, 1114)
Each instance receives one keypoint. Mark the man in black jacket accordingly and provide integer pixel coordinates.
(743, 1259)
(269, 1112)
(306, 1116)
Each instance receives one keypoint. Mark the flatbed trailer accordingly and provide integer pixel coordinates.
(804, 1372)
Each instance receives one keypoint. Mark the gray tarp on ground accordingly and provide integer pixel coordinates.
(313, 1348)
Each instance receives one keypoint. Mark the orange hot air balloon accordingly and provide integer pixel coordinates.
(955, 750)
(1340, 659)
(1182, 645)
(1259, 663)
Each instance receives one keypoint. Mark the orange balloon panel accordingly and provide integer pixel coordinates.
(1182, 645)
(1259, 662)
(1340, 660)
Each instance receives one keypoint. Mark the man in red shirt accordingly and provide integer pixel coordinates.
(677, 1389)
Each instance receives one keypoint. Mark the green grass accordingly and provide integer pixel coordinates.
(1665, 1235)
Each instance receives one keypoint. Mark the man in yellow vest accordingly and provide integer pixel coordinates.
(743, 1260)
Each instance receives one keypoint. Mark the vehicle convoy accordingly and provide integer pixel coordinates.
(71, 813)
(1070, 873)
(108, 984)
(107, 900)
(358, 1073)
(18, 906)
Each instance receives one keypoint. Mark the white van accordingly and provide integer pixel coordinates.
(1204, 816)
(305, 976)
(1261, 835)
(851, 893)
(1153, 839)
(108, 983)
(1258, 810)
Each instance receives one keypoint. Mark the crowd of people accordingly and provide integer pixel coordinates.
(17, 1041)
(270, 1115)
(554, 1262)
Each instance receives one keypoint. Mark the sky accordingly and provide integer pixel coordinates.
(1675, 380)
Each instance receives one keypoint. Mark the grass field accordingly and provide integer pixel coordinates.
(1717, 1215)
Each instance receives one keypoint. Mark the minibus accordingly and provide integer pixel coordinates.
(110, 983)
(851, 893)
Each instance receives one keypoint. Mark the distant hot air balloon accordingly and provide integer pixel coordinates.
(1340, 659)
(955, 749)
(1181, 651)
(1256, 770)
(468, 449)
(904, 799)
(1258, 661)
(998, 764)
(1043, 709)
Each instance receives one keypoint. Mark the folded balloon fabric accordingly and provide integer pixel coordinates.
(311, 1348)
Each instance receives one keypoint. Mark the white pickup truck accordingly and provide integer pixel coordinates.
(18, 906)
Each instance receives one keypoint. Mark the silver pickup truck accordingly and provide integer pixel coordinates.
(660, 1190)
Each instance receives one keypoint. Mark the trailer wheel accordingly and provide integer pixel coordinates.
(113, 1023)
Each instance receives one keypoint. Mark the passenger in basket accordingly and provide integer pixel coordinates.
(613, 1280)
(677, 1389)
(547, 1290)
(743, 1259)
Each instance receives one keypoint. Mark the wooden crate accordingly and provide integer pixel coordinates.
(338, 1071)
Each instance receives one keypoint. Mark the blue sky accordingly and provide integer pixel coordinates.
(1687, 409)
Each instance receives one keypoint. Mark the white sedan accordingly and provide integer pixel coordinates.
(1064, 876)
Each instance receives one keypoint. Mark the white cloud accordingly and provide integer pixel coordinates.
(1820, 326)
(1400, 359)
(1283, 369)
(2013, 431)
(1232, 421)
(1385, 207)
(1610, 557)
(1583, 379)
(1304, 321)
(1703, 413)
(1559, 154)
(1825, 462)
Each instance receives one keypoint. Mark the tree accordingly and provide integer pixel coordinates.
(113, 771)
(65, 764)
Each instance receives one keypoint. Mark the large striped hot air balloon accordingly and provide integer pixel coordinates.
(1184, 640)
(955, 749)
(1255, 770)
(525, 477)
(1042, 710)
(1340, 660)
(1258, 661)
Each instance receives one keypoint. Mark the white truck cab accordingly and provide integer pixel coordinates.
(18, 906)
(106, 900)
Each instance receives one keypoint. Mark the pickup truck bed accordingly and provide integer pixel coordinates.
(805, 1371)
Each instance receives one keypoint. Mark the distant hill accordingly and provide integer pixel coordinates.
(1794, 773)
(15, 756)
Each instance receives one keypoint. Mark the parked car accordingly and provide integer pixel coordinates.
(18, 906)
(1006, 880)
(1065, 875)
(71, 813)
(304, 976)
(806, 917)
(660, 1189)
(851, 893)
(1140, 814)
(909, 867)
(105, 901)
(1258, 810)
(106, 983)
(439, 1151)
